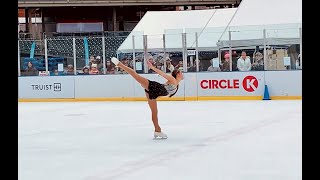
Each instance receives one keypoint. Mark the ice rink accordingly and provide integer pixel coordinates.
(207, 140)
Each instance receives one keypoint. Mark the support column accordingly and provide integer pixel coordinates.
(197, 52)
(265, 62)
(114, 18)
(230, 51)
(26, 14)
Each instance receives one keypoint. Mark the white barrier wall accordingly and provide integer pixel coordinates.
(284, 83)
(191, 84)
(117, 86)
(194, 85)
(46, 87)
(102, 86)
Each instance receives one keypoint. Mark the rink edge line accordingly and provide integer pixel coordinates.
(200, 98)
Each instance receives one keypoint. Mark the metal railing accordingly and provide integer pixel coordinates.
(271, 48)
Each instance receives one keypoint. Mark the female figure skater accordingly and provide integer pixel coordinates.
(154, 89)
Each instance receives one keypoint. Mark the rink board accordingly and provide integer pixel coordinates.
(195, 86)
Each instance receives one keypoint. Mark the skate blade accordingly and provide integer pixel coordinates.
(160, 138)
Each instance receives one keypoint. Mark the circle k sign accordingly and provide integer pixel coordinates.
(249, 83)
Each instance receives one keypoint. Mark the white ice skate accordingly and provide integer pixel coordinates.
(115, 61)
(160, 135)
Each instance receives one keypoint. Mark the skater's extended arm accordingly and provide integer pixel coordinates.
(170, 78)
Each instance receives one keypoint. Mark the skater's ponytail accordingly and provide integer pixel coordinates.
(175, 72)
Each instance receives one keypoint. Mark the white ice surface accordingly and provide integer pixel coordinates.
(207, 140)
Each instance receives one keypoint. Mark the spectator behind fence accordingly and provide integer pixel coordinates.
(226, 63)
(179, 66)
(94, 69)
(70, 70)
(193, 67)
(110, 68)
(169, 66)
(258, 65)
(99, 63)
(159, 65)
(153, 62)
(55, 72)
(91, 60)
(213, 69)
(201, 67)
(31, 70)
(85, 70)
(244, 63)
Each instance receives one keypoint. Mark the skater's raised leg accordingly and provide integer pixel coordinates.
(143, 81)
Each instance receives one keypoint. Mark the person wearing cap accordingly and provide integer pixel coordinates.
(226, 63)
(99, 64)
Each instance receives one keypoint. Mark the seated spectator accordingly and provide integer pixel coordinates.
(180, 65)
(70, 70)
(226, 63)
(244, 63)
(258, 62)
(99, 64)
(55, 72)
(30, 70)
(91, 60)
(193, 67)
(159, 65)
(110, 68)
(94, 69)
(213, 69)
(85, 70)
(169, 66)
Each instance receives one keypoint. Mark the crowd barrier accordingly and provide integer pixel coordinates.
(195, 86)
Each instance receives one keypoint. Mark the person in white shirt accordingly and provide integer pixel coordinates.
(244, 63)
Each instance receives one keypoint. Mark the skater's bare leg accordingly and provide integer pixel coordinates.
(143, 81)
(154, 113)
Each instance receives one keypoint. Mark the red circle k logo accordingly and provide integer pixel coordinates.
(250, 83)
